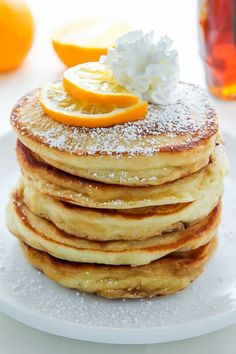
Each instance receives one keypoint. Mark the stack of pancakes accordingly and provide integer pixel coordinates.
(127, 211)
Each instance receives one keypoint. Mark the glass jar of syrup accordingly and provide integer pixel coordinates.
(217, 22)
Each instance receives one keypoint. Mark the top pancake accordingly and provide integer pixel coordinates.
(171, 142)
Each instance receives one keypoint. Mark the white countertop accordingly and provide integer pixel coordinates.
(42, 65)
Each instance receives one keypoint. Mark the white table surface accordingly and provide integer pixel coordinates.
(178, 19)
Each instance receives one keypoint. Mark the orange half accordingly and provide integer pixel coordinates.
(87, 39)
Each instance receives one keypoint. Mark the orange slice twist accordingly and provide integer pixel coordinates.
(62, 107)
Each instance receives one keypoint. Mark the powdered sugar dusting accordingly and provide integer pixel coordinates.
(192, 116)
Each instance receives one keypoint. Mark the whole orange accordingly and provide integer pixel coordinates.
(16, 33)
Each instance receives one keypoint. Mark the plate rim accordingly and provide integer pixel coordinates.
(115, 335)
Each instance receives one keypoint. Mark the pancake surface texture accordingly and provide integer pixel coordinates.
(127, 224)
(162, 277)
(59, 184)
(171, 142)
(44, 236)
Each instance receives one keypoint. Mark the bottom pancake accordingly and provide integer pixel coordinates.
(162, 277)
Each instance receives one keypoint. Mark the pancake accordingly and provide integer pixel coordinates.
(172, 141)
(103, 224)
(45, 236)
(59, 184)
(162, 277)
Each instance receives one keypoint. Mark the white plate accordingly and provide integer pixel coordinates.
(207, 305)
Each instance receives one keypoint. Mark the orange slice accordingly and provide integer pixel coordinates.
(60, 106)
(95, 83)
(87, 39)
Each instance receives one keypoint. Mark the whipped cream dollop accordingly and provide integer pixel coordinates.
(147, 68)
